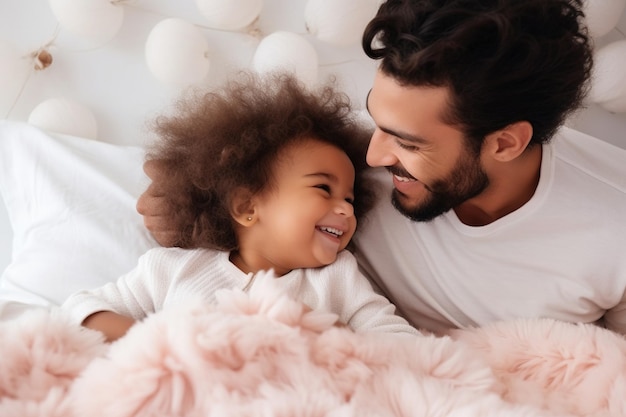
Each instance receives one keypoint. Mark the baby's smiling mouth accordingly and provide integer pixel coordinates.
(330, 230)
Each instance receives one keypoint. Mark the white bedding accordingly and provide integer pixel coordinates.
(71, 203)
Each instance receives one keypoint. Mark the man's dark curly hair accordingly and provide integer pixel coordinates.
(224, 139)
(503, 61)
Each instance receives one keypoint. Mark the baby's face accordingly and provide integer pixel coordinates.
(308, 217)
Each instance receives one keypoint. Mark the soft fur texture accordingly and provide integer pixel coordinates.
(262, 354)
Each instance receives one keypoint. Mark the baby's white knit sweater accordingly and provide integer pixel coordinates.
(167, 276)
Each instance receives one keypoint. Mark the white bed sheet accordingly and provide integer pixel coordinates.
(71, 202)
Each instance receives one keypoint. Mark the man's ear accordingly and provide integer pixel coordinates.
(242, 207)
(509, 143)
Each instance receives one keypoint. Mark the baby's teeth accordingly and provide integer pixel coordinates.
(332, 230)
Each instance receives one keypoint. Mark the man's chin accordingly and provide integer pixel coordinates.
(423, 212)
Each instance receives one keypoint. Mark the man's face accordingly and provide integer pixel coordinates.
(433, 169)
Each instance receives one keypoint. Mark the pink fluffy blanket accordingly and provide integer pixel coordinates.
(263, 354)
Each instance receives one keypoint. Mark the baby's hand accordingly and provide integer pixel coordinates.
(111, 324)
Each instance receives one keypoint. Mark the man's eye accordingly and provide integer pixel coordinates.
(407, 147)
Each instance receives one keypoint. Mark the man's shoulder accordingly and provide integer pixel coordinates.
(591, 156)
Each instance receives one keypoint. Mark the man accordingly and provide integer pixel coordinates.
(491, 210)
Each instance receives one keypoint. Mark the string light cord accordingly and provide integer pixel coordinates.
(40, 59)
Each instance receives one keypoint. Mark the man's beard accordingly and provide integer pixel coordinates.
(466, 181)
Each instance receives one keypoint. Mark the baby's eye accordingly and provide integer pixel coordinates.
(324, 187)
(350, 200)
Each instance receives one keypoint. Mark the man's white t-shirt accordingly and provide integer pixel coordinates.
(562, 255)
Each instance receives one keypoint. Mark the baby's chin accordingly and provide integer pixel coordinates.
(322, 260)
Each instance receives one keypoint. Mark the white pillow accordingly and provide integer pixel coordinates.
(71, 204)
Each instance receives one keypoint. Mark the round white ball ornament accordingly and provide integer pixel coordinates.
(339, 22)
(96, 20)
(603, 15)
(230, 14)
(177, 53)
(63, 115)
(608, 83)
(287, 51)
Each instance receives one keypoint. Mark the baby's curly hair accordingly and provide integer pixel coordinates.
(221, 140)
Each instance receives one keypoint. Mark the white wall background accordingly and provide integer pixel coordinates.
(114, 82)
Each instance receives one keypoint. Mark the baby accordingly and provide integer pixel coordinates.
(263, 175)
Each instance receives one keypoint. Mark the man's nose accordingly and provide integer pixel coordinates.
(379, 152)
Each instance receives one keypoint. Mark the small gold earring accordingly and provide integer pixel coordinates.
(249, 218)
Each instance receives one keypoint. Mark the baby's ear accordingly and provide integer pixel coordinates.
(242, 207)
